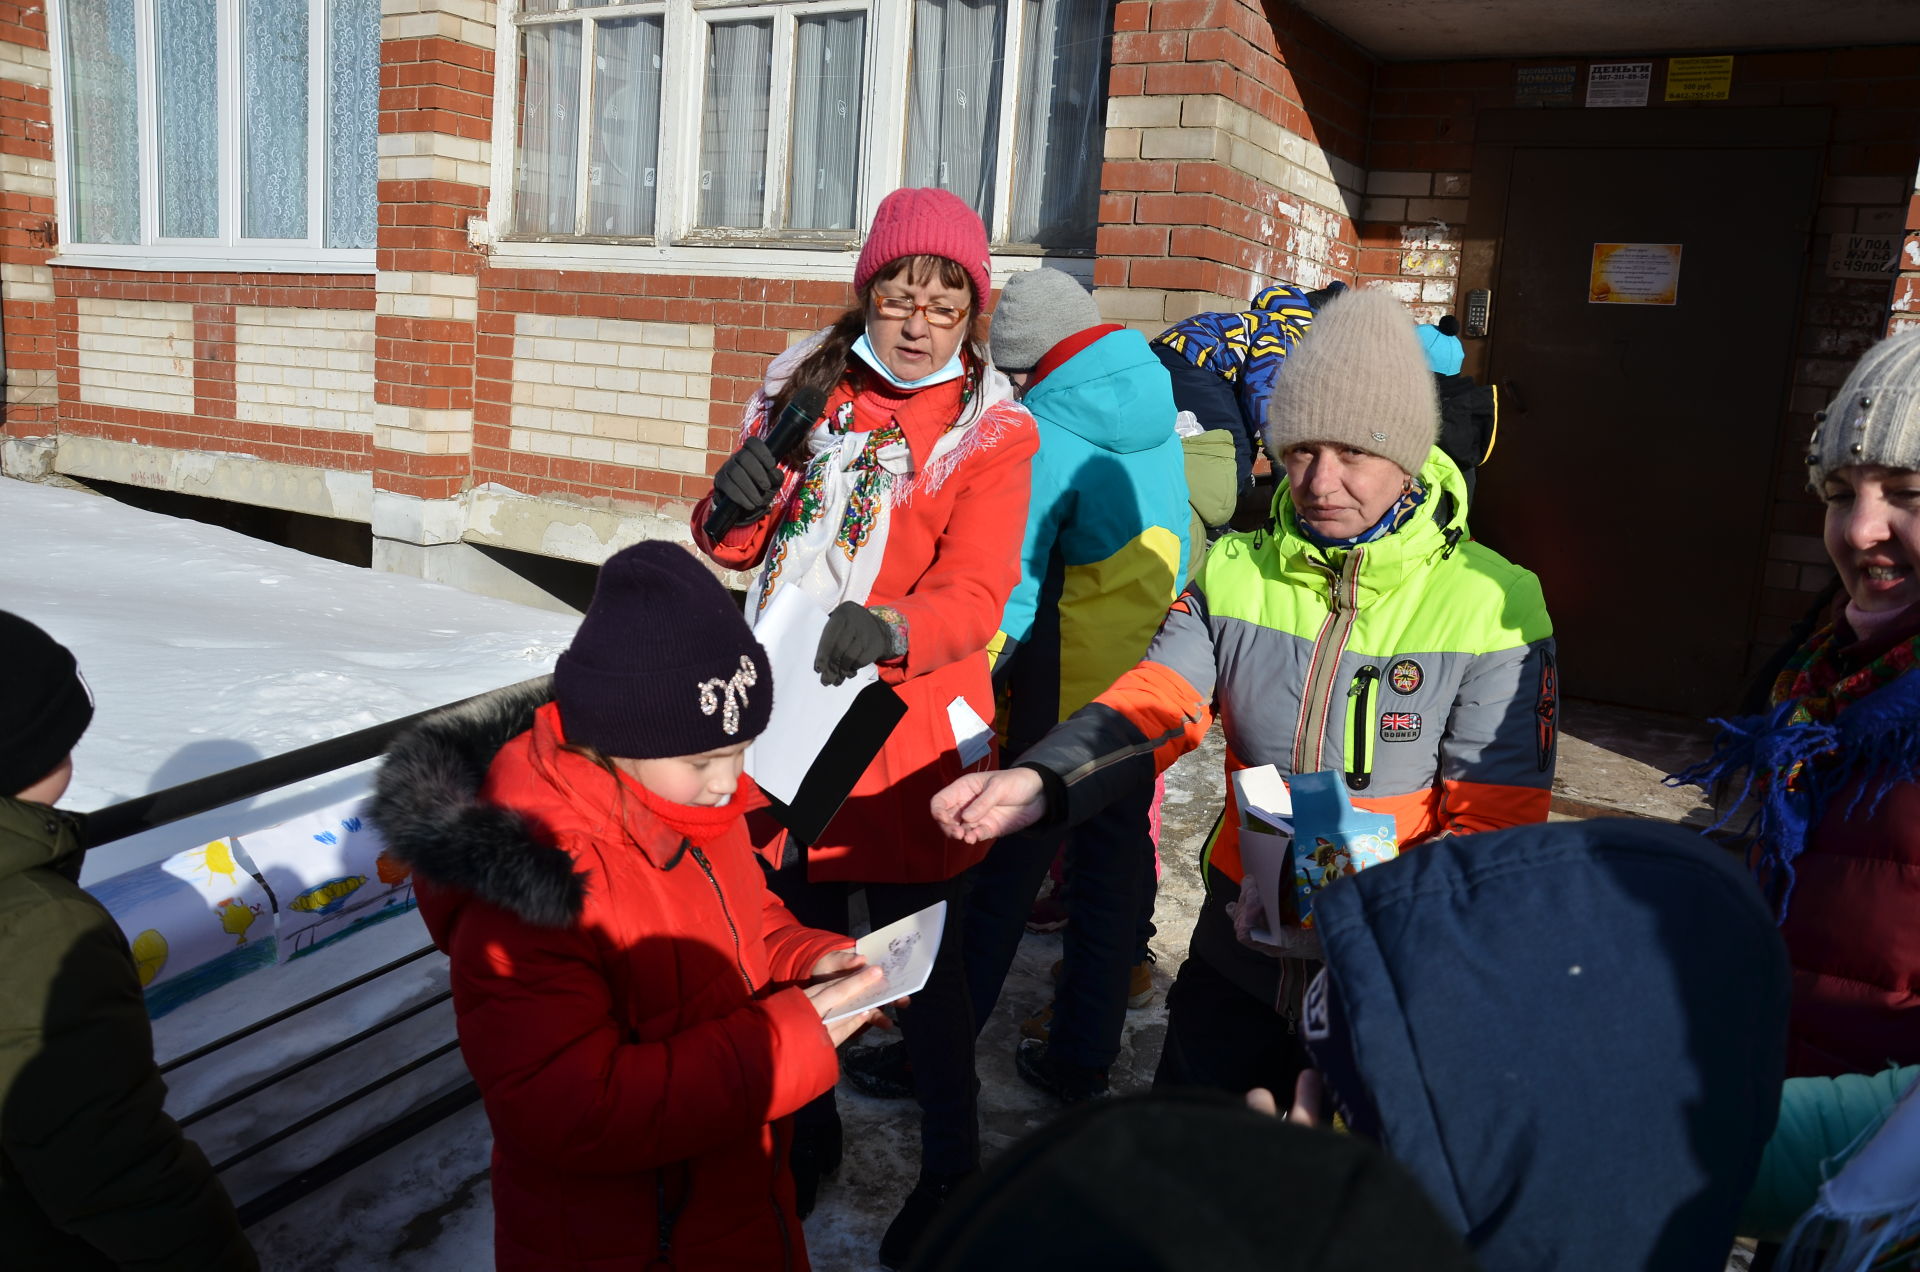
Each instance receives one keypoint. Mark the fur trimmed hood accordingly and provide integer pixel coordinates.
(427, 805)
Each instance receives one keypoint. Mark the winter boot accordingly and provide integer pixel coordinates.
(1049, 913)
(883, 1072)
(815, 1155)
(1038, 1026)
(1067, 1083)
(922, 1204)
(1140, 983)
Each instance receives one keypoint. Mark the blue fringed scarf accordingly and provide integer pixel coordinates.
(1796, 769)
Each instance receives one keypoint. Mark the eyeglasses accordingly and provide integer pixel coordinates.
(902, 308)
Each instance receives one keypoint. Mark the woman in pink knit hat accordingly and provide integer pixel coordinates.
(902, 515)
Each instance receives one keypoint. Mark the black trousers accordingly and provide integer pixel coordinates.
(1220, 1036)
(937, 1025)
(1109, 900)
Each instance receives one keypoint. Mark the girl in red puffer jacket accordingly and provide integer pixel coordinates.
(641, 1014)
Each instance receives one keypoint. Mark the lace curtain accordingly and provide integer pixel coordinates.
(626, 126)
(547, 136)
(188, 118)
(829, 57)
(1060, 143)
(953, 95)
(733, 132)
(353, 122)
(273, 119)
(102, 122)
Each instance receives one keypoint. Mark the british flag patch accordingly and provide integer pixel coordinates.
(1399, 726)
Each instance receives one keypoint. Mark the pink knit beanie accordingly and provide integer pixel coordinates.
(931, 222)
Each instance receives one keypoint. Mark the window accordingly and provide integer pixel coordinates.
(220, 128)
(731, 121)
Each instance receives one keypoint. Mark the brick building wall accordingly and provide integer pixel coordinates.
(457, 396)
(1236, 135)
(1419, 158)
(27, 217)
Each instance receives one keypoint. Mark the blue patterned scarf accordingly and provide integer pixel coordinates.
(1795, 767)
(1392, 520)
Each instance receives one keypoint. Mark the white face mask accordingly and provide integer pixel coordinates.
(952, 371)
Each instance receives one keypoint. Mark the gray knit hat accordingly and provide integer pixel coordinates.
(1037, 310)
(1358, 378)
(1876, 417)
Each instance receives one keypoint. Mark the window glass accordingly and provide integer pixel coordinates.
(548, 138)
(953, 98)
(829, 56)
(353, 122)
(188, 118)
(1061, 142)
(623, 176)
(733, 131)
(103, 169)
(273, 119)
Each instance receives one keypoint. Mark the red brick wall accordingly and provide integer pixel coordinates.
(211, 425)
(1195, 213)
(27, 232)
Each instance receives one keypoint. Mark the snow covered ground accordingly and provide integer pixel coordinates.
(206, 650)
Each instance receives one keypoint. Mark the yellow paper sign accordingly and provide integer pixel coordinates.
(1635, 274)
(1699, 79)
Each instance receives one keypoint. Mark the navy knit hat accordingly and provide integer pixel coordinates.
(663, 664)
(44, 706)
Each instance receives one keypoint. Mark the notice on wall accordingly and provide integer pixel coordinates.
(1864, 255)
(1699, 79)
(1619, 83)
(1635, 274)
(1545, 85)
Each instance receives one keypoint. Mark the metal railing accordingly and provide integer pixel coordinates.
(203, 795)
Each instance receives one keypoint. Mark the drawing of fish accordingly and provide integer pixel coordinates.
(149, 955)
(329, 896)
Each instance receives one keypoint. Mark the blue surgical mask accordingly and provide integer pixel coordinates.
(952, 371)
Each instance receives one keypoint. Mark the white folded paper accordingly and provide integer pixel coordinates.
(904, 951)
(804, 710)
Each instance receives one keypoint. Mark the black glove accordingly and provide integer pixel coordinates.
(854, 637)
(750, 478)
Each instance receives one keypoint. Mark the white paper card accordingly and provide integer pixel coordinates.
(1268, 858)
(804, 710)
(972, 735)
(1262, 794)
(904, 951)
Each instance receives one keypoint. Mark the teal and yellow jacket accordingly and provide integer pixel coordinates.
(1107, 540)
(1420, 666)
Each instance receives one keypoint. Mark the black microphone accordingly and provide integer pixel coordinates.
(795, 422)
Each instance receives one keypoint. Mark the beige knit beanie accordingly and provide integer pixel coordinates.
(1359, 379)
(1876, 417)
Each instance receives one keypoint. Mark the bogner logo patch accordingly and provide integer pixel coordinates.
(1399, 726)
(1405, 676)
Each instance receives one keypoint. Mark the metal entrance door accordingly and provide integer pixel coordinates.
(1633, 470)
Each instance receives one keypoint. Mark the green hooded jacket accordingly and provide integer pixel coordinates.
(93, 1173)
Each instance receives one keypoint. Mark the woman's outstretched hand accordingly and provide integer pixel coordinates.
(983, 806)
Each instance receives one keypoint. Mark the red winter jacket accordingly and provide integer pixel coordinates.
(1853, 933)
(952, 558)
(620, 1000)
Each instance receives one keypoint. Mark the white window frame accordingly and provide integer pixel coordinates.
(231, 251)
(679, 245)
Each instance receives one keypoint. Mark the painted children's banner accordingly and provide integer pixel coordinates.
(207, 915)
(196, 921)
(331, 874)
